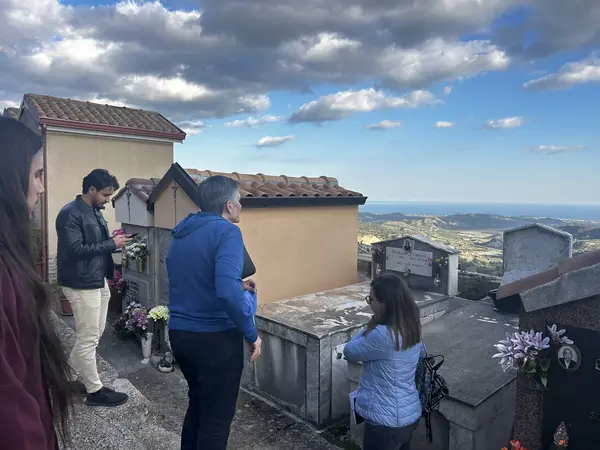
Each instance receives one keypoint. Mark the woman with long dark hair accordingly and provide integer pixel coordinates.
(390, 349)
(35, 393)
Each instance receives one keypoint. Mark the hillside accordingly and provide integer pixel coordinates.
(477, 236)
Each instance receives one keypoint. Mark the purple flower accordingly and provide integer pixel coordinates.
(557, 336)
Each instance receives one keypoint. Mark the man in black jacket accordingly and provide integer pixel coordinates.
(84, 260)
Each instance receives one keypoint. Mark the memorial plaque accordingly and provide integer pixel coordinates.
(573, 394)
(417, 261)
(535, 248)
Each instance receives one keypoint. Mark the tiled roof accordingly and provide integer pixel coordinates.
(267, 186)
(78, 114)
(13, 113)
(578, 262)
(140, 187)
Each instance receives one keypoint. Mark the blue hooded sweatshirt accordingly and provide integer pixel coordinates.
(204, 264)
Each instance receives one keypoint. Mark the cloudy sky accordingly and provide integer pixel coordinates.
(436, 100)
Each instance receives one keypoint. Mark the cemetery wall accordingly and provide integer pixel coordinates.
(475, 286)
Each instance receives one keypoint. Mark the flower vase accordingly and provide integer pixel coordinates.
(146, 348)
(167, 340)
(140, 265)
(124, 260)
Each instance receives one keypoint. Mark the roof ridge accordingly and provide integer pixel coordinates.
(92, 103)
(244, 176)
(90, 115)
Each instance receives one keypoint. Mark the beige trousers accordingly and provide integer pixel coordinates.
(90, 307)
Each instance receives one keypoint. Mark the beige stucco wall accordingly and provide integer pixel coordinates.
(296, 250)
(70, 157)
(300, 250)
(171, 209)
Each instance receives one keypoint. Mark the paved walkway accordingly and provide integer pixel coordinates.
(256, 426)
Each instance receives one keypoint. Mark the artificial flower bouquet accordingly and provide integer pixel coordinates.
(530, 352)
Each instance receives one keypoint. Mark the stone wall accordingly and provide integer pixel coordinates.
(475, 286)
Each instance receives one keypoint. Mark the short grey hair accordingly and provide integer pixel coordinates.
(215, 192)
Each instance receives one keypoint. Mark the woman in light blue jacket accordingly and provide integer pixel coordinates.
(390, 348)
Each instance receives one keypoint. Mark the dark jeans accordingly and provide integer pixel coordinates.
(378, 437)
(212, 364)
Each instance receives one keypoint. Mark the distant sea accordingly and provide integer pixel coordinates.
(580, 212)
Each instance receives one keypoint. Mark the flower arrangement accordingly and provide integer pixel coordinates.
(118, 282)
(440, 261)
(133, 321)
(159, 314)
(118, 232)
(528, 352)
(137, 250)
(138, 320)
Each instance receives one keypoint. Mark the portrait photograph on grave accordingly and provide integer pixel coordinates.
(569, 357)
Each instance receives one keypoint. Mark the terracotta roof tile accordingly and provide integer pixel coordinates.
(70, 112)
(261, 185)
(140, 187)
(578, 262)
(13, 113)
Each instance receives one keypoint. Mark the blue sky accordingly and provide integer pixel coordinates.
(529, 72)
(419, 163)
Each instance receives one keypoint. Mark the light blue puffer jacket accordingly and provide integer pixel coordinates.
(387, 394)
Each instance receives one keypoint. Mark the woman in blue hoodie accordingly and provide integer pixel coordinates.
(390, 348)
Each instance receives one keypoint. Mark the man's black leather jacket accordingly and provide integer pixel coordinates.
(84, 248)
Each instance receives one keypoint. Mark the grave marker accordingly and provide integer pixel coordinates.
(572, 301)
(533, 248)
(422, 263)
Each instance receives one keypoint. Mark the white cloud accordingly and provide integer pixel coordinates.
(224, 59)
(154, 88)
(503, 124)
(252, 122)
(319, 48)
(438, 59)
(192, 127)
(384, 125)
(573, 73)
(8, 104)
(443, 124)
(447, 90)
(274, 141)
(557, 149)
(342, 104)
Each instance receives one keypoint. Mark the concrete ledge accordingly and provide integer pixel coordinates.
(120, 428)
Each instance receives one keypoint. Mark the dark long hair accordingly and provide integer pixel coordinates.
(18, 146)
(401, 313)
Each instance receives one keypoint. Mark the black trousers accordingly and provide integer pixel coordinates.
(378, 437)
(212, 364)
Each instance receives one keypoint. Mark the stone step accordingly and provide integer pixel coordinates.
(123, 427)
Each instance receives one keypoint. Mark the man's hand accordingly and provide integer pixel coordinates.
(255, 349)
(121, 240)
(249, 285)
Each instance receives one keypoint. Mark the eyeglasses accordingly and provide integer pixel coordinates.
(368, 299)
